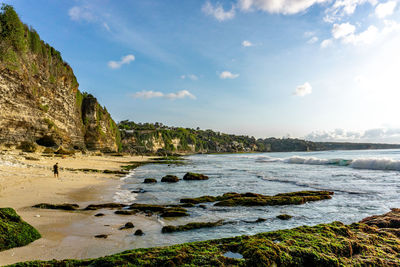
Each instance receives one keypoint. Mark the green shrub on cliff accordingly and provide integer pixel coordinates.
(14, 232)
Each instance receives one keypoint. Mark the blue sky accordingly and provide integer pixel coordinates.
(315, 69)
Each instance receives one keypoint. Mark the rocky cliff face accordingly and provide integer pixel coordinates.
(40, 101)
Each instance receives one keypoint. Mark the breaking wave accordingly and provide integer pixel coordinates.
(386, 164)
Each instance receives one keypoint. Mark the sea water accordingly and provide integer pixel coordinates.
(364, 182)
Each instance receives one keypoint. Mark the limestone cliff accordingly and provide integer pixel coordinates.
(40, 101)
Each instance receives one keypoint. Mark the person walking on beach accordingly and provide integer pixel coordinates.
(55, 170)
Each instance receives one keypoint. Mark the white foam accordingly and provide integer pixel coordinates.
(124, 197)
(361, 163)
(376, 164)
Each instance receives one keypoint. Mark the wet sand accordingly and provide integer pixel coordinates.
(67, 234)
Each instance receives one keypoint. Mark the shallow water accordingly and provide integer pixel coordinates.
(364, 182)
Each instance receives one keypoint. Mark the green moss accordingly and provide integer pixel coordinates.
(333, 244)
(44, 108)
(27, 146)
(50, 123)
(14, 232)
(190, 226)
(252, 199)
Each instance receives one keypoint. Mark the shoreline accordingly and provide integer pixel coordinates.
(65, 234)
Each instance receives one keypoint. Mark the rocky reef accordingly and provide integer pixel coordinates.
(252, 199)
(41, 105)
(335, 244)
(14, 232)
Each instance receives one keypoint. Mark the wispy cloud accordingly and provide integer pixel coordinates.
(192, 77)
(124, 60)
(228, 75)
(171, 96)
(341, 8)
(218, 11)
(278, 6)
(385, 9)
(326, 43)
(313, 40)
(78, 13)
(302, 90)
(246, 43)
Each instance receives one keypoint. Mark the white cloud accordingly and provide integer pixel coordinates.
(124, 60)
(346, 33)
(228, 75)
(342, 30)
(246, 43)
(390, 26)
(278, 6)
(326, 43)
(172, 96)
(385, 9)
(192, 77)
(313, 40)
(366, 37)
(370, 135)
(78, 13)
(341, 8)
(303, 89)
(218, 11)
(179, 95)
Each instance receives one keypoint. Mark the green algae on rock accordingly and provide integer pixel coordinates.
(333, 244)
(170, 179)
(14, 232)
(190, 226)
(252, 199)
(194, 176)
(65, 206)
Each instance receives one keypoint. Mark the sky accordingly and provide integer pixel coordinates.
(323, 70)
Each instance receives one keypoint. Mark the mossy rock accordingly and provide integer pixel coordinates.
(149, 181)
(190, 226)
(27, 146)
(190, 176)
(284, 217)
(332, 244)
(170, 179)
(14, 232)
(65, 206)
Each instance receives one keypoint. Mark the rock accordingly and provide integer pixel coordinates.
(256, 221)
(125, 212)
(104, 206)
(14, 232)
(139, 191)
(190, 226)
(128, 225)
(65, 206)
(139, 232)
(170, 179)
(284, 216)
(149, 181)
(203, 206)
(388, 220)
(194, 176)
(174, 212)
(101, 236)
(99, 214)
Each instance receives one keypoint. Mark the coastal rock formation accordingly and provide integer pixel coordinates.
(14, 232)
(195, 176)
(332, 244)
(251, 199)
(40, 101)
(170, 179)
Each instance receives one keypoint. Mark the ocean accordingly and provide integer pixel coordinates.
(365, 183)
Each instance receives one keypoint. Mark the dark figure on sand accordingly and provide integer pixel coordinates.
(55, 170)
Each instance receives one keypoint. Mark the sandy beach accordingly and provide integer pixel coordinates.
(65, 234)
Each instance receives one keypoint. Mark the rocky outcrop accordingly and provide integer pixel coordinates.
(40, 101)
